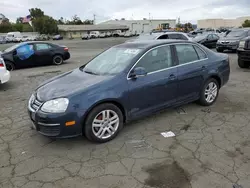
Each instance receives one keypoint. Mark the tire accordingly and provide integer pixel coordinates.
(91, 131)
(9, 66)
(205, 100)
(57, 60)
(243, 64)
(219, 50)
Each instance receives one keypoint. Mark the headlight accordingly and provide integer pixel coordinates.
(55, 106)
(31, 100)
(242, 44)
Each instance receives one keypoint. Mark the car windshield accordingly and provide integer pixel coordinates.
(236, 33)
(12, 48)
(112, 61)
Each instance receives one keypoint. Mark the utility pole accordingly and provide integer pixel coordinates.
(94, 19)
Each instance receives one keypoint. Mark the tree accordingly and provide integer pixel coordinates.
(43, 23)
(246, 23)
(88, 22)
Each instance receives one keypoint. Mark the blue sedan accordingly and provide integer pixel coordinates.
(124, 83)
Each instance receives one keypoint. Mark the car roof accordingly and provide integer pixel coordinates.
(145, 44)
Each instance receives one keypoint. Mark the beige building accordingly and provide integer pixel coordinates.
(217, 23)
(145, 25)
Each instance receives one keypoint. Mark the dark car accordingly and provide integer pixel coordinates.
(208, 40)
(232, 39)
(30, 54)
(125, 83)
(244, 53)
(57, 37)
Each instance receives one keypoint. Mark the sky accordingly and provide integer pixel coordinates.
(187, 10)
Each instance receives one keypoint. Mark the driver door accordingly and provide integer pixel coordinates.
(158, 88)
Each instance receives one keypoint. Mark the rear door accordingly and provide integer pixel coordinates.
(43, 53)
(191, 71)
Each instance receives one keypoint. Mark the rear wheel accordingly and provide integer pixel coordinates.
(57, 60)
(9, 66)
(103, 123)
(209, 92)
(243, 64)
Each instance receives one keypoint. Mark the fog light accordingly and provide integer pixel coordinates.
(70, 123)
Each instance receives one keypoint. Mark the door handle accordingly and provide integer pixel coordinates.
(172, 77)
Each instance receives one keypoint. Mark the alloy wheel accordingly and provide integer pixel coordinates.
(211, 92)
(105, 124)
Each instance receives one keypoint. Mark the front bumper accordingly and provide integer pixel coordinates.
(244, 55)
(5, 77)
(54, 125)
(227, 46)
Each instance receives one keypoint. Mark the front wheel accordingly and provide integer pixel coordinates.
(57, 60)
(209, 92)
(103, 123)
(243, 64)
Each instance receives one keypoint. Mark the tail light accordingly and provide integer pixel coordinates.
(66, 49)
(1, 64)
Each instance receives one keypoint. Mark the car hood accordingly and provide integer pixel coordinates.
(68, 84)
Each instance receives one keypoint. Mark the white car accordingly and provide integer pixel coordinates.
(4, 73)
(108, 34)
(17, 39)
(85, 36)
(128, 34)
(94, 34)
(25, 39)
(103, 35)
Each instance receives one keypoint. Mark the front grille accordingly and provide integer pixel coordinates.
(225, 42)
(35, 105)
(49, 130)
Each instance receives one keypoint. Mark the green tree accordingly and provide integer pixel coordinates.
(246, 23)
(5, 26)
(43, 23)
(88, 22)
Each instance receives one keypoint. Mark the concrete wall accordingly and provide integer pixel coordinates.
(216, 23)
(142, 26)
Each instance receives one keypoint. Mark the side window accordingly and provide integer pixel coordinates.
(201, 53)
(210, 37)
(173, 36)
(182, 37)
(42, 47)
(186, 53)
(156, 59)
(215, 37)
(164, 37)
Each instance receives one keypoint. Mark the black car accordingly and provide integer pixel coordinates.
(57, 37)
(30, 54)
(244, 53)
(208, 40)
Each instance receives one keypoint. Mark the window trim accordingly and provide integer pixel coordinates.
(175, 58)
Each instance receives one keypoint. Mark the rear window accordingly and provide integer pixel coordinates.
(201, 53)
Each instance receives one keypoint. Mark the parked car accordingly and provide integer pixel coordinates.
(30, 54)
(118, 33)
(232, 40)
(57, 37)
(124, 83)
(128, 34)
(109, 34)
(94, 34)
(85, 36)
(11, 36)
(208, 40)
(103, 35)
(244, 53)
(159, 36)
(43, 37)
(3, 40)
(4, 73)
(25, 39)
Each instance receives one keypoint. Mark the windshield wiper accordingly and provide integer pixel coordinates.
(90, 72)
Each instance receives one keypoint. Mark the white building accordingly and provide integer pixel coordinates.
(217, 23)
(144, 26)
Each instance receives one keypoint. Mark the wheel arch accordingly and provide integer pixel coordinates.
(217, 78)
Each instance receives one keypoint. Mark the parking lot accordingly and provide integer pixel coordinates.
(211, 148)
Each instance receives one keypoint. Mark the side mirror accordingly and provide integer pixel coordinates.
(137, 72)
